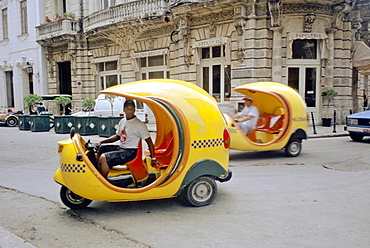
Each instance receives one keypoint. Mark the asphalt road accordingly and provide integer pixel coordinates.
(319, 199)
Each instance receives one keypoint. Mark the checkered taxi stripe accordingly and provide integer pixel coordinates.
(74, 168)
(207, 143)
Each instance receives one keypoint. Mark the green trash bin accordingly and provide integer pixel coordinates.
(63, 123)
(40, 123)
(108, 125)
(24, 122)
(86, 125)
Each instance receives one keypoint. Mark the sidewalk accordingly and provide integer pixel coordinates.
(322, 132)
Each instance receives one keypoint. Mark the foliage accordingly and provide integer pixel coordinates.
(69, 15)
(111, 99)
(329, 95)
(88, 104)
(32, 99)
(64, 101)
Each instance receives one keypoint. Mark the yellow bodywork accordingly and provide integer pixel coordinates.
(273, 99)
(179, 107)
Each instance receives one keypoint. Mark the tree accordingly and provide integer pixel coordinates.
(31, 100)
(329, 95)
(110, 99)
(64, 101)
(88, 104)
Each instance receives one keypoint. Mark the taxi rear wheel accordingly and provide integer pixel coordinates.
(200, 192)
(73, 200)
(293, 148)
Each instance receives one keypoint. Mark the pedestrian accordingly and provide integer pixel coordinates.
(130, 130)
(247, 119)
(365, 99)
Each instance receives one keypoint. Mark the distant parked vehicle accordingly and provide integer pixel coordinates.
(103, 108)
(358, 125)
(9, 118)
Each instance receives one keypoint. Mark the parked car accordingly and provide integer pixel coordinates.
(9, 118)
(358, 125)
(103, 108)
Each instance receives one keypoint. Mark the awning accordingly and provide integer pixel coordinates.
(361, 57)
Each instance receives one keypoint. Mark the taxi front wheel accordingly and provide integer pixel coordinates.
(72, 200)
(293, 148)
(199, 192)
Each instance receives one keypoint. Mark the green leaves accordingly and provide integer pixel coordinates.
(32, 99)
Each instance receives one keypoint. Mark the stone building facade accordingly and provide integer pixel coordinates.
(217, 45)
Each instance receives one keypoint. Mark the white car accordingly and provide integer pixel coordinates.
(103, 108)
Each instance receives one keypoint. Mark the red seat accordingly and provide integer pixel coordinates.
(275, 124)
(163, 152)
(137, 165)
(267, 123)
(262, 122)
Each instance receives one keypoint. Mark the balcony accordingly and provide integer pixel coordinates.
(126, 12)
(55, 29)
(134, 10)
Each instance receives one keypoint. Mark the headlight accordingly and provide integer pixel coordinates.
(352, 121)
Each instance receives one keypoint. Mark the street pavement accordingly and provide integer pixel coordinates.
(10, 240)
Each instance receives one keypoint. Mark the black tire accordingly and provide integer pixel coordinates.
(11, 121)
(72, 200)
(200, 192)
(293, 148)
(356, 137)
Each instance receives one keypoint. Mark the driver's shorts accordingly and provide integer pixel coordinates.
(116, 155)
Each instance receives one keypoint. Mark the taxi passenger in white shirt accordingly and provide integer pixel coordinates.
(131, 129)
(247, 119)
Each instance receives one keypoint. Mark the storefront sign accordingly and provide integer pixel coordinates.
(149, 53)
(211, 42)
(296, 36)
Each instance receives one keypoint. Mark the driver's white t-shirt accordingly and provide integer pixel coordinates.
(131, 131)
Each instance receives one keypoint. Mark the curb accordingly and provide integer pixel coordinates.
(313, 136)
(8, 239)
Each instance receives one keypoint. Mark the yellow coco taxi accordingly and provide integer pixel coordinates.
(191, 142)
(282, 122)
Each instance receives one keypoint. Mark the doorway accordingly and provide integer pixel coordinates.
(65, 82)
(304, 79)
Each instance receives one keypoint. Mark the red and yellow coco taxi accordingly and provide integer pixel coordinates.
(282, 123)
(191, 143)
